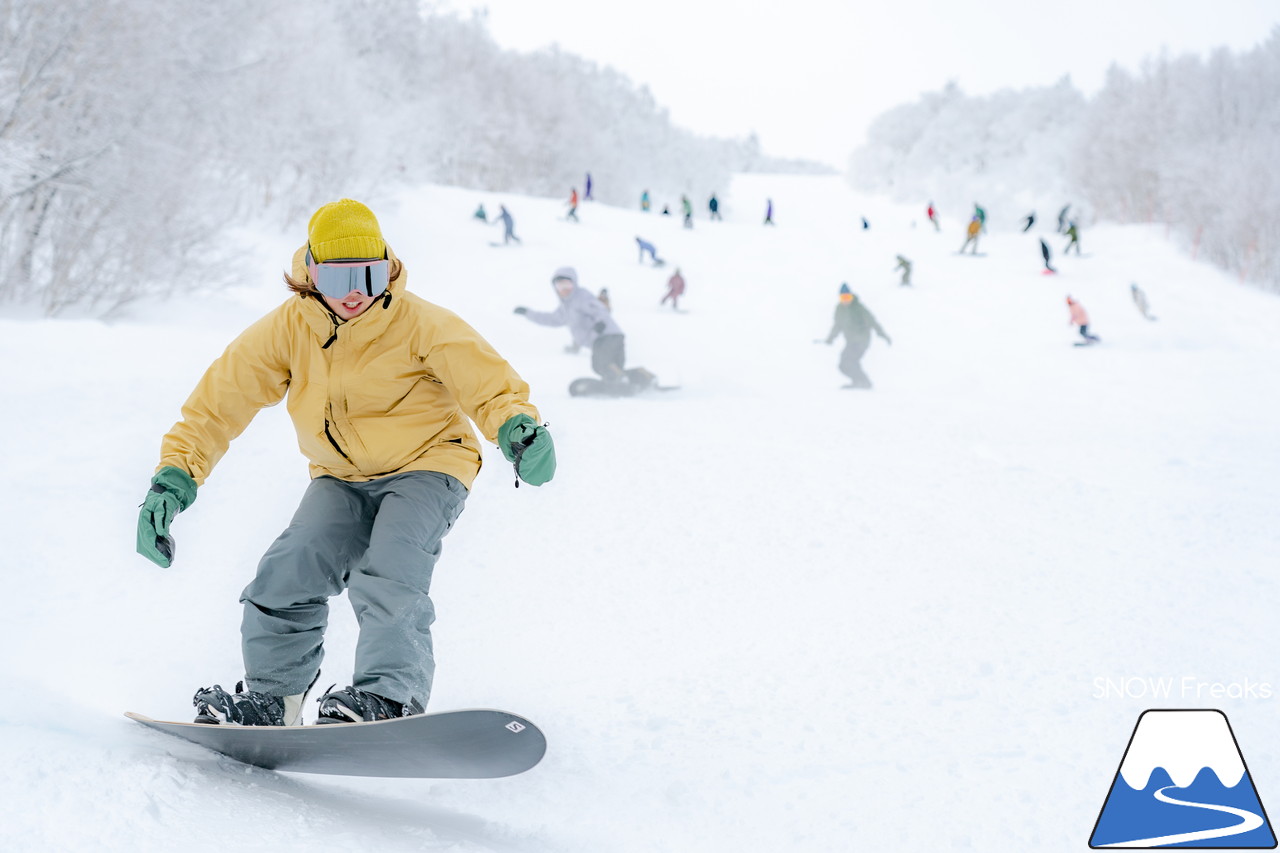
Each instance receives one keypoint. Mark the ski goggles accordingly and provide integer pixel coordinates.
(338, 278)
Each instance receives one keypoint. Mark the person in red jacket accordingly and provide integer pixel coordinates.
(675, 287)
(573, 205)
(933, 217)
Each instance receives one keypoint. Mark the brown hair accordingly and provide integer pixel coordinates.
(305, 285)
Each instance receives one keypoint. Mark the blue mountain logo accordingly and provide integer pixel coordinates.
(1183, 783)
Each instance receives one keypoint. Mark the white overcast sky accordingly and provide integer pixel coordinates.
(808, 76)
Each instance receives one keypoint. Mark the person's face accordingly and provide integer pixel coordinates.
(351, 305)
(846, 298)
(563, 287)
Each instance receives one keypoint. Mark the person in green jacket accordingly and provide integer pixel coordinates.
(1074, 233)
(905, 266)
(856, 323)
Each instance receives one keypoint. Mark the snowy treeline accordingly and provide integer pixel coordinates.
(133, 132)
(1183, 141)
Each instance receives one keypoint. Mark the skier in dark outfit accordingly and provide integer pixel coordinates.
(855, 322)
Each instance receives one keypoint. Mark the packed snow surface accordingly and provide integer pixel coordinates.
(758, 613)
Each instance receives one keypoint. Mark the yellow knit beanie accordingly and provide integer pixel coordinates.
(344, 229)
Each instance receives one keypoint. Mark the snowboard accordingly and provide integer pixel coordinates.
(589, 386)
(470, 744)
(1086, 343)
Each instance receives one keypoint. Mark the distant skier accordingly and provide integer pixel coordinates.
(975, 228)
(480, 214)
(768, 212)
(591, 325)
(1074, 233)
(573, 205)
(666, 210)
(865, 224)
(933, 217)
(1081, 319)
(714, 206)
(644, 201)
(905, 266)
(1140, 300)
(647, 247)
(1062, 219)
(508, 225)
(675, 288)
(686, 207)
(856, 323)
(586, 190)
(1028, 222)
(1044, 250)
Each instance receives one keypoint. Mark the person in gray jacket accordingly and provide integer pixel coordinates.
(856, 323)
(590, 325)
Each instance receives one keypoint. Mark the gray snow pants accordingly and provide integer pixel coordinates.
(380, 541)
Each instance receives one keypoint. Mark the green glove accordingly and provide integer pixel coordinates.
(528, 446)
(172, 491)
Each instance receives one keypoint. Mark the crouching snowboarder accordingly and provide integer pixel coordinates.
(592, 325)
(1080, 318)
(382, 387)
(855, 322)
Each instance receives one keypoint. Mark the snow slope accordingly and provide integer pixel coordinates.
(760, 613)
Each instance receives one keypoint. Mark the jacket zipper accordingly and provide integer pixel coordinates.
(334, 442)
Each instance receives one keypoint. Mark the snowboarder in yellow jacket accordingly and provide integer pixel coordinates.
(382, 387)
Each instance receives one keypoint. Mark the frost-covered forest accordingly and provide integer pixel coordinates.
(133, 132)
(1184, 141)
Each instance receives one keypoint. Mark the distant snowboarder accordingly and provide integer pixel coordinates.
(1028, 222)
(714, 206)
(1074, 233)
(1044, 250)
(933, 217)
(1062, 219)
(573, 205)
(508, 225)
(586, 190)
(865, 224)
(647, 248)
(975, 228)
(603, 296)
(856, 323)
(904, 265)
(591, 325)
(480, 214)
(1140, 300)
(768, 212)
(675, 288)
(1080, 318)
(980, 214)
(686, 207)
(644, 201)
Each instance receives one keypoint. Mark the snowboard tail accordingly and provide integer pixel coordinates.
(470, 744)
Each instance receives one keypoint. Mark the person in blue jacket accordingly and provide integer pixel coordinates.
(648, 248)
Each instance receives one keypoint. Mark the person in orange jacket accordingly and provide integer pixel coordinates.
(573, 205)
(975, 228)
(1080, 318)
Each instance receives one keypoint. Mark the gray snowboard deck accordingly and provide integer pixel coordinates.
(471, 744)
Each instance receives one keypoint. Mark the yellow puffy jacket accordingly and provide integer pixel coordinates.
(385, 392)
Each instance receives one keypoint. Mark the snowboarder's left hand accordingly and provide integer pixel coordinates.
(528, 446)
(172, 491)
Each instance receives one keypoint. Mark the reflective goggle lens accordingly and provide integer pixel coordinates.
(336, 279)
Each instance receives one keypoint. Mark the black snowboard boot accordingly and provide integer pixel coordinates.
(352, 705)
(215, 706)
